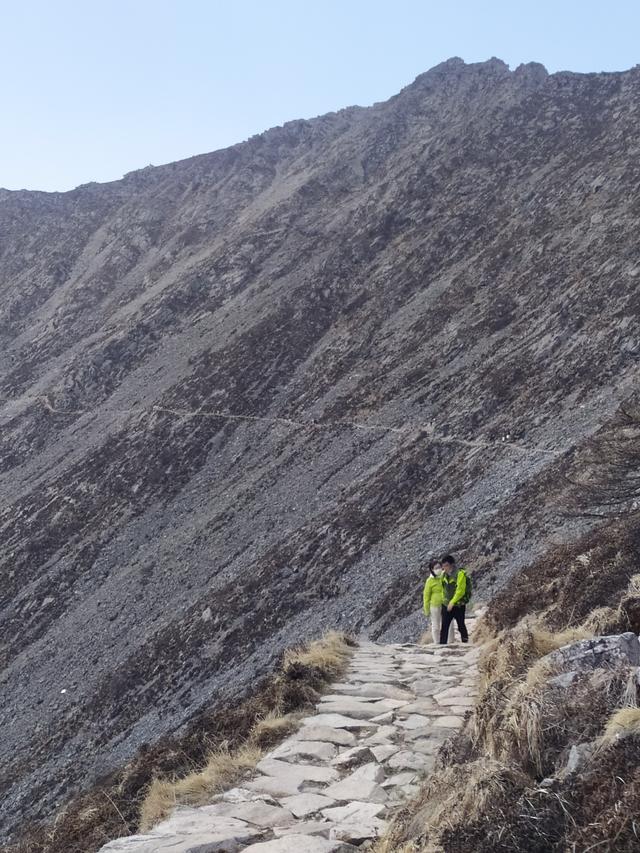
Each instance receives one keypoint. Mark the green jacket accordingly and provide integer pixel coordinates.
(432, 595)
(454, 587)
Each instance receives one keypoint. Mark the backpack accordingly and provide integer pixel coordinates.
(466, 598)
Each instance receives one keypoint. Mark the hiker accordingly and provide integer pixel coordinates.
(456, 592)
(432, 601)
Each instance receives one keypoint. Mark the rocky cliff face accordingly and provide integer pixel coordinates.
(380, 296)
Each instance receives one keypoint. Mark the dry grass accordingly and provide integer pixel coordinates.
(634, 585)
(513, 652)
(602, 620)
(309, 667)
(223, 770)
(483, 631)
(426, 639)
(453, 796)
(622, 723)
(329, 655)
(273, 728)
(517, 716)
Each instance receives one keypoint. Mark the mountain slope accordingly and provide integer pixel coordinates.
(361, 290)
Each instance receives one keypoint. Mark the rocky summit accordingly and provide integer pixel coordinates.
(245, 395)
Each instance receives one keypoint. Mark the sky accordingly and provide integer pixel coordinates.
(92, 89)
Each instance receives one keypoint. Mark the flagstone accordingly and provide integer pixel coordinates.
(381, 753)
(338, 721)
(310, 749)
(304, 827)
(289, 770)
(414, 721)
(303, 805)
(299, 843)
(461, 701)
(405, 777)
(353, 757)
(362, 784)
(406, 760)
(340, 737)
(453, 722)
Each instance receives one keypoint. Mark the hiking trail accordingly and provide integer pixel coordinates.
(332, 786)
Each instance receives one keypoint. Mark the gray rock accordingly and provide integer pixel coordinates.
(312, 732)
(259, 813)
(226, 283)
(303, 805)
(374, 690)
(305, 827)
(301, 844)
(564, 680)
(407, 760)
(406, 777)
(381, 753)
(579, 755)
(305, 749)
(597, 652)
(339, 814)
(244, 795)
(350, 707)
(356, 822)
(220, 836)
(450, 722)
(338, 721)
(353, 757)
(361, 785)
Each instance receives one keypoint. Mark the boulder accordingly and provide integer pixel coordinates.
(597, 652)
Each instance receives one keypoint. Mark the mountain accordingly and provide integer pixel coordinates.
(245, 395)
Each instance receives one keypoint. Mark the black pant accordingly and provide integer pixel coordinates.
(447, 618)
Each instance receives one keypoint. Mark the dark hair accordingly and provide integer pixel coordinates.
(448, 559)
(432, 565)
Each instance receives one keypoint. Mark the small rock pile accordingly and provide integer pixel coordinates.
(332, 785)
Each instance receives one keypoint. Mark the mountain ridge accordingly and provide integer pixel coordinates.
(462, 254)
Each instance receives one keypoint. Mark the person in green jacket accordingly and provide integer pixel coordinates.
(432, 601)
(455, 595)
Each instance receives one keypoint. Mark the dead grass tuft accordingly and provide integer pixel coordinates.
(223, 770)
(327, 655)
(602, 620)
(268, 732)
(622, 723)
(509, 655)
(425, 639)
(483, 631)
(452, 796)
(634, 585)
(157, 804)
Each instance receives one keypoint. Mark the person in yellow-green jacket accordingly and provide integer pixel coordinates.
(432, 601)
(456, 592)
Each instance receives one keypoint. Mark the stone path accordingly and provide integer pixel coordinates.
(332, 785)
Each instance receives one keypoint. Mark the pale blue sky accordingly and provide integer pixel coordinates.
(91, 90)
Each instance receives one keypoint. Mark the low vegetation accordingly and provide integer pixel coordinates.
(217, 750)
(504, 785)
(223, 769)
